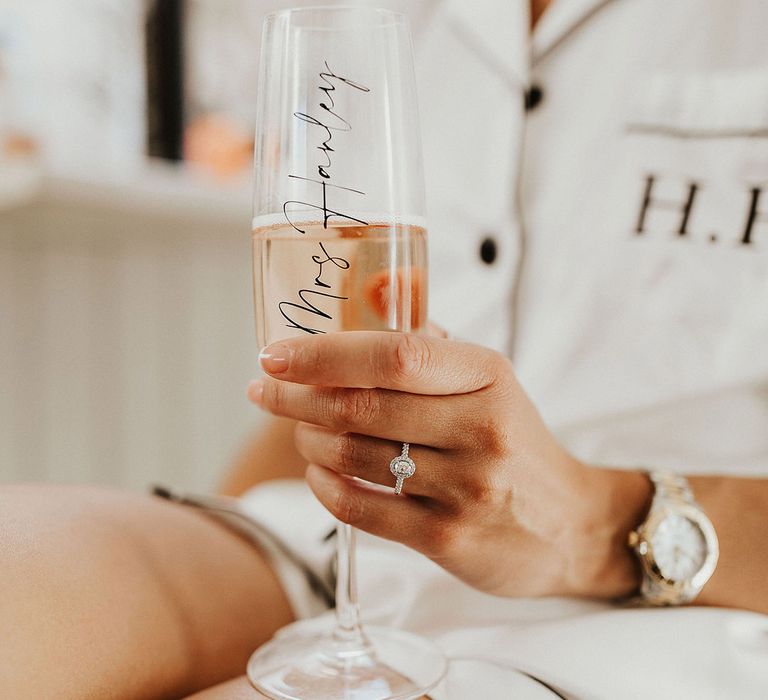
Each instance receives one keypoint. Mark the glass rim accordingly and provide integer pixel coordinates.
(395, 16)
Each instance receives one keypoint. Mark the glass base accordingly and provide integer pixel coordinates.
(391, 665)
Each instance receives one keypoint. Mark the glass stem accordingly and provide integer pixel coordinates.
(348, 629)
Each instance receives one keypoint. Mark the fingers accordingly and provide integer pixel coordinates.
(380, 512)
(398, 361)
(368, 458)
(391, 415)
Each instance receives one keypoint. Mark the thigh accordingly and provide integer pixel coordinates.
(115, 595)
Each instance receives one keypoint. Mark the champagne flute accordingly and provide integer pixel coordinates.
(339, 244)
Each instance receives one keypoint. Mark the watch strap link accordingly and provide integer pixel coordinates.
(670, 492)
(671, 487)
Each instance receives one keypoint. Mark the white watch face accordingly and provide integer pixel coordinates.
(679, 548)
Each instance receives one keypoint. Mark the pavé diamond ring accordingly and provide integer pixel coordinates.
(402, 467)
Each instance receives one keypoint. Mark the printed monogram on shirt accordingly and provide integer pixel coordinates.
(743, 233)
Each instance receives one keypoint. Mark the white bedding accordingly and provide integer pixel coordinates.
(587, 650)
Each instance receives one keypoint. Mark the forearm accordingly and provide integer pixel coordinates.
(737, 508)
(271, 454)
(614, 502)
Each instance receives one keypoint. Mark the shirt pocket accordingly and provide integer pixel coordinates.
(703, 140)
(704, 106)
(693, 164)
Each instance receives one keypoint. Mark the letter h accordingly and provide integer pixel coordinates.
(668, 204)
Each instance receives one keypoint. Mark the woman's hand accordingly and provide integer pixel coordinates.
(495, 500)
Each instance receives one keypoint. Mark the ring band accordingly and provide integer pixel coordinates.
(403, 467)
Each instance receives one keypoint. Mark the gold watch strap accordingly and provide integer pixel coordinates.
(671, 487)
(671, 492)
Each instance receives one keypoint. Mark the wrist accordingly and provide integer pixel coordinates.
(601, 564)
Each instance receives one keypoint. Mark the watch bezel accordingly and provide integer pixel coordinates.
(687, 588)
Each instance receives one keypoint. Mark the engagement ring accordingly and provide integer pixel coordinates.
(402, 467)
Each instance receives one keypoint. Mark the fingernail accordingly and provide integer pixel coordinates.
(256, 391)
(275, 358)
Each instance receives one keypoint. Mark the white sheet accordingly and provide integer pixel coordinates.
(588, 650)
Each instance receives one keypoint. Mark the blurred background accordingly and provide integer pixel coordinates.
(126, 330)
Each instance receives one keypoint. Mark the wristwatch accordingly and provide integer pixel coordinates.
(677, 544)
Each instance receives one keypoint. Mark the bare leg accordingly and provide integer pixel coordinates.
(114, 595)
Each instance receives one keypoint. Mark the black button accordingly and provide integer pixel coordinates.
(488, 251)
(533, 97)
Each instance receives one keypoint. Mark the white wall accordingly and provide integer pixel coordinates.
(74, 77)
(126, 332)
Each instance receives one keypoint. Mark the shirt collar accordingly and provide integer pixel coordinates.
(500, 29)
(497, 29)
(560, 19)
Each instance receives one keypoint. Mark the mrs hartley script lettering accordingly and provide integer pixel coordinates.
(327, 122)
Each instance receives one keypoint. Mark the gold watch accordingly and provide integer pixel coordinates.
(677, 544)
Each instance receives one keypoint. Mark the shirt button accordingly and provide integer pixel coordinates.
(488, 251)
(533, 97)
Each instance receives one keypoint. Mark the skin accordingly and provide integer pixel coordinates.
(489, 471)
(275, 440)
(165, 603)
(160, 600)
(154, 595)
(537, 10)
